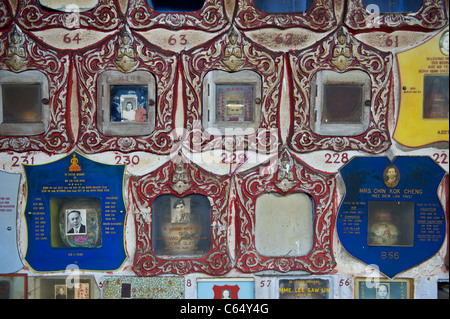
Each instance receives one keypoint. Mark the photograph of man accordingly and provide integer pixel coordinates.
(60, 292)
(74, 222)
(383, 291)
(179, 213)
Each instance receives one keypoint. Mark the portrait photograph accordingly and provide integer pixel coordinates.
(391, 176)
(181, 225)
(60, 292)
(366, 288)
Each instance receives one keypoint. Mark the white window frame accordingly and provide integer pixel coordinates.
(31, 77)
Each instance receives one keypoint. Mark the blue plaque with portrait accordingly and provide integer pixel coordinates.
(391, 216)
(75, 215)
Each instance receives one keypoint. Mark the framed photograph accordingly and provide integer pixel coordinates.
(76, 222)
(374, 288)
(129, 103)
(181, 226)
(435, 96)
(60, 291)
(229, 288)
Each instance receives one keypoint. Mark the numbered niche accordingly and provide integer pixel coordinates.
(126, 96)
(383, 15)
(93, 14)
(317, 15)
(33, 95)
(232, 91)
(285, 217)
(341, 96)
(423, 74)
(181, 220)
(204, 15)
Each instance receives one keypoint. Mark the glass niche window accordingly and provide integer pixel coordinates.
(393, 6)
(181, 226)
(390, 223)
(126, 103)
(24, 99)
(284, 225)
(76, 222)
(69, 5)
(340, 103)
(283, 6)
(435, 97)
(176, 5)
(232, 102)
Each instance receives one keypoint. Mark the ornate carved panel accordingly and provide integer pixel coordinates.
(350, 54)
(105, 16)
(179, 178)
(285, 175)
(5, 15)
(19, 52)
(134, 54)
(211, 17)
(318, 17)
(233, 55)
(431, 16)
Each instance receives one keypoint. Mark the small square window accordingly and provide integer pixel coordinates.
(340, 103)
(126, 103)
(176, 5)
(397, 6)
(232, 102)
(22, 103)
(289, 232)
(283, 6)
(435, 97)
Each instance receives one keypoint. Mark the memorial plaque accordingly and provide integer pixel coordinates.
(9, 188)
(121, 287)
(64, 287)
(181, 220)
(310, 288)
(391, 215)
(367, 288)
(75, 214)
(232, 288)
(424, 113)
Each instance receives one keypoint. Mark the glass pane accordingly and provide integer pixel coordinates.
(283, 5)
(284, 225)
(76, 222)
(176, 5)
(343, 104)
(22, 103)
(390, 223)
(234, 102)
(435, 97)
(396, 5)
(129, 103)
(181, 226)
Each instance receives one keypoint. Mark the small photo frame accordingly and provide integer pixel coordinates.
(391, 176)
(13, 286)
(435, 97)
(129, 103)
(60, 292)
(374, 288)
(75, 221)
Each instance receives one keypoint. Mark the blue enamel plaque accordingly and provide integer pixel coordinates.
(75, 215)
(391, 215)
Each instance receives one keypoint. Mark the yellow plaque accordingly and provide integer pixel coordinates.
(424, 109)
